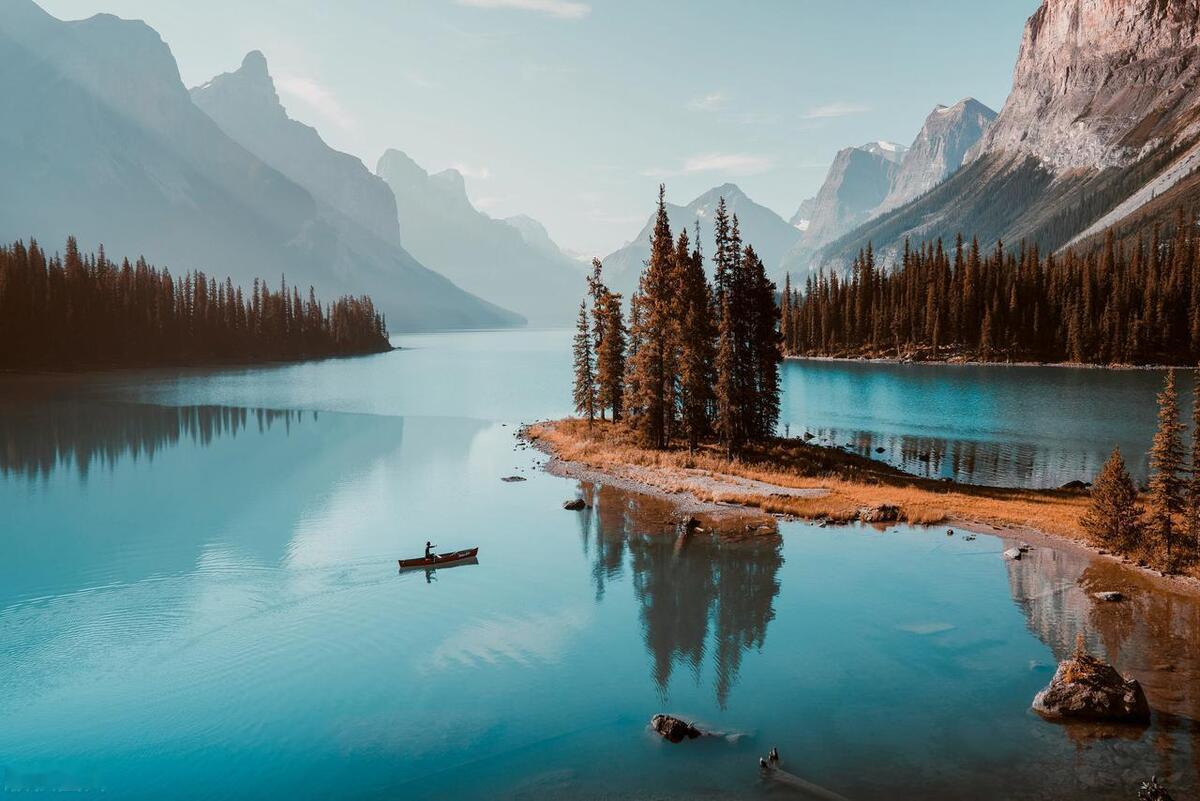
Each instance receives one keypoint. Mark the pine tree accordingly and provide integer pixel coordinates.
(1166, 499)
(650, 360)
(1113, 516)
(585, 375)
(697, 347)
(598, 292)
(726, 388)
(610, 356)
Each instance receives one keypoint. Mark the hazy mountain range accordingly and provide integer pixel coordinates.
(511, 262)
(770, 234)
(103, 141)
(113, 149)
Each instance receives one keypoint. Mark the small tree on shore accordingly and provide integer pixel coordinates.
(585, 373)
(1113, 517)
(1166, 482)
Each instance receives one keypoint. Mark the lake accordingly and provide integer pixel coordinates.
(199, 595)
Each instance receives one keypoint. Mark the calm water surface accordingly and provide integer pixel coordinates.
(198, 596)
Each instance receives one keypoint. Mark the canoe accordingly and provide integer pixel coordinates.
(439, 560)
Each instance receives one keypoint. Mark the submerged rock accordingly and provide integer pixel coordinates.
(511, 479)
(673, 729)
(1085, 688)
(576, 505)
(1153, 791)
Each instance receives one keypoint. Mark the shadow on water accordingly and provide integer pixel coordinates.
(700, 595)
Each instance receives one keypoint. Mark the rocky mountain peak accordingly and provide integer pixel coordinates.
(250, 87)
(939, 150)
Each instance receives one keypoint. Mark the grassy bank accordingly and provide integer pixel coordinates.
(836, 484)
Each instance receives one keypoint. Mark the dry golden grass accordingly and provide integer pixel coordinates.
(851, 481)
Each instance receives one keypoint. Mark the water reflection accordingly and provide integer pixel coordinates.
(1002, 426)
(1009, 464)
(1151, 635)
(37, 439)
(699, 594)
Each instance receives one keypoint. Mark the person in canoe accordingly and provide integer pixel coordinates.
(429, 546)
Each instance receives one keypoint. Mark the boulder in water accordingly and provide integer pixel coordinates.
(1085, 688)
(576, 505)
(1013, 554)
(884, 513)
(673, 729)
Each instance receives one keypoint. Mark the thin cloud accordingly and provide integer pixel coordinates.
(837, 109)
(314, 95)
(724, 163)
(468, 171)
(710, 102)
(561, 9)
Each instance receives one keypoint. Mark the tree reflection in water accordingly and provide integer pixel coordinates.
(699, 593)
(1151, 635)
(35, 440)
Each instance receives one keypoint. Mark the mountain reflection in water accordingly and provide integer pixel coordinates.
(699, 593)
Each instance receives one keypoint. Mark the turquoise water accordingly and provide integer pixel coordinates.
(199, 599)
(996, 425)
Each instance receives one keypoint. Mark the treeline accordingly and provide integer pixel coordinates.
(78, 311)
(697, 359)
(1161, 527)
(1137, 305)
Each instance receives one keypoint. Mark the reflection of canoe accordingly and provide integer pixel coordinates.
(439, 560)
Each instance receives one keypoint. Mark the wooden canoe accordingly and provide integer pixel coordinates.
(439, 560)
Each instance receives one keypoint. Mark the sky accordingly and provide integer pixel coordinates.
(573, 111)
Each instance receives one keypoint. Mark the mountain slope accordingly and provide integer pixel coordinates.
(770, 234)
(246, 107)
(1103, 118)
(490, 257)
(857, 182)
(939, 150)
(118, 153)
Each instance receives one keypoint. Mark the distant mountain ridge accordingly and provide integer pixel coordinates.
(514, 263)
(866, 182)
(117, 153)
(770, 234)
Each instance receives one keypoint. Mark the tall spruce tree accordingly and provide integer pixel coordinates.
(650, 361)
(597, 291)
(697, 346)
(1113, 516)
(1166, 499)
(585, 374)
(765, 341)
(610, 357)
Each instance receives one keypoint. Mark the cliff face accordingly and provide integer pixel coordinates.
(939, 150)
(1099, 82)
